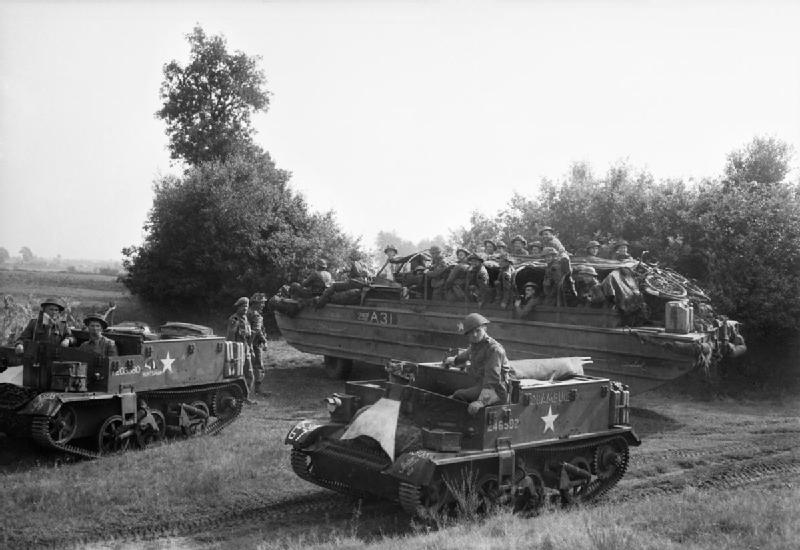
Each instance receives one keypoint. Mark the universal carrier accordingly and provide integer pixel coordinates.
(404, 439)
(183, 379)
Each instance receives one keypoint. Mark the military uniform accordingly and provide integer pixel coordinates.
(553, 283)
(45, 329)
(258, 338)
(523, 309)
(313, 285)
(358, 275)
(504, 285)
(551, 240)
(239, 331)
(478, 280)
(591, 250)
(621, 255)
(104, 347)
(518, 246)
(436, 273)
(488, 368)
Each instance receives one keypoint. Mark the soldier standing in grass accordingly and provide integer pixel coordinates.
(97, 343)
(488, 366)
(47, 327)
(239, 331)
(258, 341)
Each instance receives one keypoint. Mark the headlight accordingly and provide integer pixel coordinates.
(333, 403)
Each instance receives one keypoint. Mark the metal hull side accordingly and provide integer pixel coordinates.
(379, 331)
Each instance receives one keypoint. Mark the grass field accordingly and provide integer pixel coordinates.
(719, 467)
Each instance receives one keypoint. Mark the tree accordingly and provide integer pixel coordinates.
(765, 160)
(26, 254)
(207, 104)
(4, 255)
(227, 229)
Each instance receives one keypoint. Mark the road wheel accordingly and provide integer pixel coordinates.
(108, 437)
(337, 368)
(63, 425)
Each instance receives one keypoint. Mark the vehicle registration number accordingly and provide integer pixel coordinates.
(376, 317)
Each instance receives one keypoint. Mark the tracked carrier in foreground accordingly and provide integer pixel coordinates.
(404, 439)
(182, 380)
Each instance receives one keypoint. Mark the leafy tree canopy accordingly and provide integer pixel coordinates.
(26, 253)
(764, 160)
(207, 104)
(4, 255)
(228, 229)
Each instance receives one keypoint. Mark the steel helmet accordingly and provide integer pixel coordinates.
(471, 322)
(95, 317)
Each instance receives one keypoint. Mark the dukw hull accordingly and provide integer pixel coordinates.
(379, 330)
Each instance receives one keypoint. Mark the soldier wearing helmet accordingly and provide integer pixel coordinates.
(587, 287)
(489, 249)
(437, 273)
(239, 331)
(592, 250)
(504, 289)
(518, 246)
(554, 283)
(358, 277)
(501, 248)
(313, 285)
(621, 251)
(488, 366)
(535, 248)
(456, 282)
(97, 343)
(478, 281)
(390, 268)
(523, 308)
(548, 236)
(47, 327)
(258, 339)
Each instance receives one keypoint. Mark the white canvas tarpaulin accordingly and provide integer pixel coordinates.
(378, 422)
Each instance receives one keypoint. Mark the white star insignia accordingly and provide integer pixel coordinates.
(167, 363)
(460, 327)
(549, 420)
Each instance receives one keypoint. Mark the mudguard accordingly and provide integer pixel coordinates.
(44, 404)
(306, 433)
(416, 467)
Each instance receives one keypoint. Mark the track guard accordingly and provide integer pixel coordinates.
(415, 468)
(306, 433)
(44, 404)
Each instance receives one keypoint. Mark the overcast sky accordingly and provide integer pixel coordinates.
(399, 116)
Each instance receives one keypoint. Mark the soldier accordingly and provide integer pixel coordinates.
(455, 285)
(489, 249)
(592, 249)
(518, 246)
(523, 308)
(358, 277)
(558, 267)
(504, 285)
(501, 248)
(436, 273)
(535, 248)
(46, 327)
(390, 268)
(621, 251)
(258, 339)
(239, 331)
(587, 287)
(97, 343)
(488, 366)
(313, 285)
(549, 238)
(478, 281)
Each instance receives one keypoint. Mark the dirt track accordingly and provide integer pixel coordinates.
(687, 442)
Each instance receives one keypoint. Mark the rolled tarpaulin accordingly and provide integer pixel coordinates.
(556, 368)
